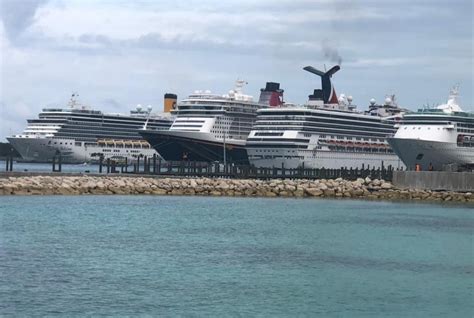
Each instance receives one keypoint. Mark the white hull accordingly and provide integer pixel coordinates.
(437, 153)
(43, 150)
(291, 158)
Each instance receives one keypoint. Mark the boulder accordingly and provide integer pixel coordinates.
(386, 185)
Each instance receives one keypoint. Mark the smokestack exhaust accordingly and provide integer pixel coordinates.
(329, 93)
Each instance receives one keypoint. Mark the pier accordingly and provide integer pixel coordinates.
(434, 180)
(155, 166)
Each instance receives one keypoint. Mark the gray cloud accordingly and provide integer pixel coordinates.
(18, 15)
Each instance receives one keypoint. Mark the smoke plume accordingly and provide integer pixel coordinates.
(330, 52)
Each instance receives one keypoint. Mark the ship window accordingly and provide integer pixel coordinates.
(419, 157)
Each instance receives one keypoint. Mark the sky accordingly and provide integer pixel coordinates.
(116, 54)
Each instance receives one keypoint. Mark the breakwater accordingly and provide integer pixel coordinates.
(108, 185)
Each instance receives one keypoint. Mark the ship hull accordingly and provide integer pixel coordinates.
(195, 146)
(291, 159)
(426, 153)
(44, 150)
(33, 149)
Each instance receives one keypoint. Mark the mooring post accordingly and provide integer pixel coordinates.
(54, 163)
(101, 161)
(60, 162)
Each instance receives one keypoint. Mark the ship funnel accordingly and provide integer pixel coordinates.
(328, 92)
(170, 102)
(271, 95)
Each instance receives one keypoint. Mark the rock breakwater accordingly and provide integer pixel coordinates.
(338, 188)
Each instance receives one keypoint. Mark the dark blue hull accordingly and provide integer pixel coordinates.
(177, 148)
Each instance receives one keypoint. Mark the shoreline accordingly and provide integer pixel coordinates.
(145, 185)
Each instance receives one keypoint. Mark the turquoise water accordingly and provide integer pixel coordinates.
(201, 256)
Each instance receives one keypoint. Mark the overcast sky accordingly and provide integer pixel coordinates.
(117, 54)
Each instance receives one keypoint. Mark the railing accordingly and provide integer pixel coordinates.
(155, 166)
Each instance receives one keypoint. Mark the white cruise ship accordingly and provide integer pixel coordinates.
(327, 132)
(431, 139)
(80, 134)
(207, 123)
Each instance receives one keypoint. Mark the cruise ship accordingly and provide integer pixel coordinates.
(81, 134)
(326, 132)
(436, 139)
(210, 127)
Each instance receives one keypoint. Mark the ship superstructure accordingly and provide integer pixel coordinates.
(326, 132)
(81, 134)
(436, 138)
(207, 123)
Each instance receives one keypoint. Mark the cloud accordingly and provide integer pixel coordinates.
(18, 15)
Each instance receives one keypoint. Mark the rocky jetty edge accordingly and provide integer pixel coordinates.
(325, 188)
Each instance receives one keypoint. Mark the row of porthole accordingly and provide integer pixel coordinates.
(272, 150)
(429, 128)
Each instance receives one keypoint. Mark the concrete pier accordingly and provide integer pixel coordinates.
(434, 180)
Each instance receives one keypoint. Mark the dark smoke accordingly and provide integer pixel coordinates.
(331, 53)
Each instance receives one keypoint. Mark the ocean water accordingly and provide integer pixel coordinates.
(201, 256)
